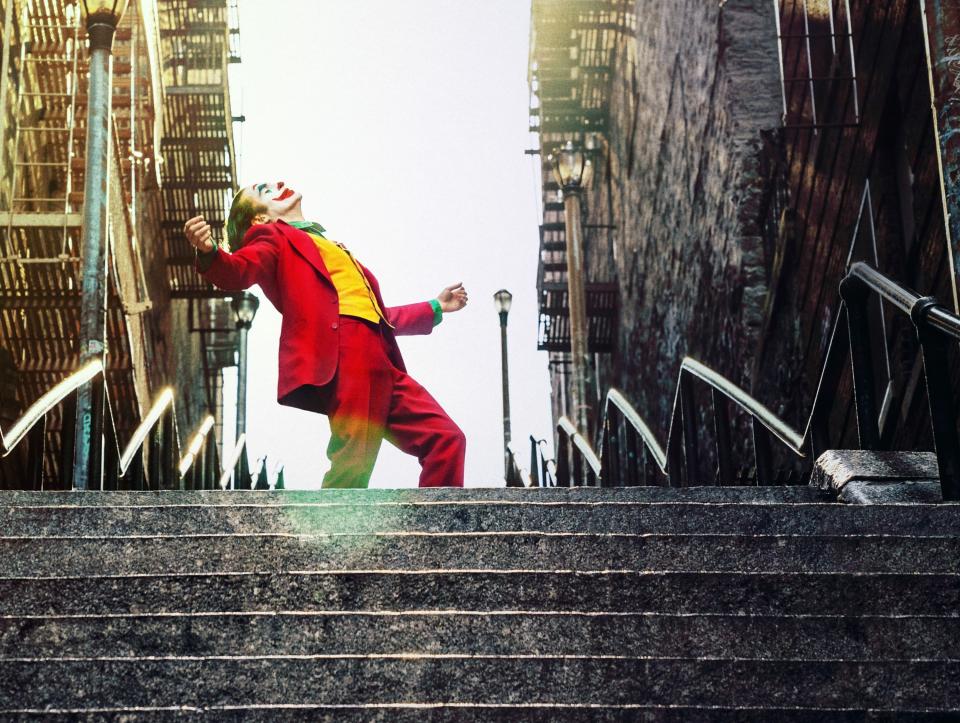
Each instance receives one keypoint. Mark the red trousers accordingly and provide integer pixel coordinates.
(372, 400)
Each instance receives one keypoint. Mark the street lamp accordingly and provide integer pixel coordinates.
(245, 307)
(502, 300)
(102, 18)
(574, 171)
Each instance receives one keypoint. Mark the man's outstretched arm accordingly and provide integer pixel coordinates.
(420, 318)
(256, 259)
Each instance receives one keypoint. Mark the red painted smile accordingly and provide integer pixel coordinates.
(285, 195)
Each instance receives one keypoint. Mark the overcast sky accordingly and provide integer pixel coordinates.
(404, 124)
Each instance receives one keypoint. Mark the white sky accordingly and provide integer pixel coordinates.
(404, 125)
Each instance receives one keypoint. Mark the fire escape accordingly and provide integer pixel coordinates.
(573, 49)
(171, 156)
(43, 131)
(200, 40)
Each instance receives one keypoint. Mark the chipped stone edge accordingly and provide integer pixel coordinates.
(867, 477)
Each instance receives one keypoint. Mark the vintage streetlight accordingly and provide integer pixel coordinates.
(502, 300)
(574, 171)
(102, 17)
(245, 307)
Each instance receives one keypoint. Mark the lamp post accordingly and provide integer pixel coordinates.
(502, 300)
(245, 307)
(574, 172)
(102, 17)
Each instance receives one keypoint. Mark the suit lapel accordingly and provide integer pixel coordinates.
(305, 246)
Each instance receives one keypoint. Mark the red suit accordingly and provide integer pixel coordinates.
(344, 367)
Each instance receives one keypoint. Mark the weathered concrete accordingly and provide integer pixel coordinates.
(640, 591)
(477, 679)
(739, 495)
(481, 516)
(866, 477)
(455, 632)
(475, 551)
(494, 605)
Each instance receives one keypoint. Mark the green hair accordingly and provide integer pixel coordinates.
(242, 212)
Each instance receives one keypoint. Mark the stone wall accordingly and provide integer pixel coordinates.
(694, 112)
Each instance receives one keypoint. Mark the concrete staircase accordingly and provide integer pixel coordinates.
(705, 604)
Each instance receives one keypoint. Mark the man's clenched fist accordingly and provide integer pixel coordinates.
(199, 234)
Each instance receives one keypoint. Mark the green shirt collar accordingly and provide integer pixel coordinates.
(309, 227)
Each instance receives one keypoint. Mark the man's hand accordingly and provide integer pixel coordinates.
(452, 298)
(198, 233)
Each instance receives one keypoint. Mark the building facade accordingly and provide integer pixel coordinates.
(172, 156)
(746, 152)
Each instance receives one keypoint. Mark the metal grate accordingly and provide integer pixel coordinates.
(199, 41)
(602, 306)
(818, 69)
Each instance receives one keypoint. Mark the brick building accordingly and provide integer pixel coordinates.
(747, 151)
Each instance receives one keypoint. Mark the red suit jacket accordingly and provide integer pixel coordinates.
(285, 263)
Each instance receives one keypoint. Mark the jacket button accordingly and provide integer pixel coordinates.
(333, 326)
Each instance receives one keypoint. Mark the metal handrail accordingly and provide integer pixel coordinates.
(40, 408)
(615, 397)
(234, 465)
(576, 461)
(114, 468)
(164, 401)
(519, 476)
(193, 449)
(936, 326)
(783, 431)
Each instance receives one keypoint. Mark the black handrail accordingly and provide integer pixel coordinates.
(154, 441)
(543, 470)
(236, 470)
(516, 476)
(937, 329)
(577, 463)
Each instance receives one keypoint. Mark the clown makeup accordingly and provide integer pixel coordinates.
(279, 198)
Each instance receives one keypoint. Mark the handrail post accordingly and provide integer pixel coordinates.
(610, 450)
(763, 455)
(721, 425)
(535, 471)
(943, 408)
(635, 461)
(168, 452)
(35, 447)
(134, 476)
(563, 461)
(94, 471)
(691, 467)
(67, 441)
(854, 294)
(154, 455)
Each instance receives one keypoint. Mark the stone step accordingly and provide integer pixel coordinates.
(480, 713)
(109, 682)
(743, 495)
(911, 594)
(754, 637)
(481, 516)
(70, 556)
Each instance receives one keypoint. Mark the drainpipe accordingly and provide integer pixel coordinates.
(941, 34)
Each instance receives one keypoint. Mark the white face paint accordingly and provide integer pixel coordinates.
(277, 197)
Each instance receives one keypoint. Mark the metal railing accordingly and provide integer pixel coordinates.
(630, 453)
(517, 475)
(150, 460)
(577, 463)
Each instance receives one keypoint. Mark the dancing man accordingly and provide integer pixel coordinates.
(338, 348)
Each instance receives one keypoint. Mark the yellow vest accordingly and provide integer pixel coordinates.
(353, 289)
